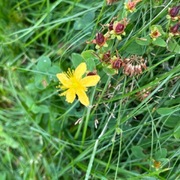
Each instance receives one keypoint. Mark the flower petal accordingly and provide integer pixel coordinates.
(80, 70)
(90, 80)
(70, 95)
(64, 79)
(83, 98)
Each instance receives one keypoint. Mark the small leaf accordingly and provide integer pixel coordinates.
(162, 153)
(53, 71)
(177, 132)
(41, 81)
(88, 54)
(76, 59)
(137, 151)
(143, 41)
(90, 64)
(85, 21)
(165, 111)
(43, 63)
(159, 42)
(134, 48)
(43, 109)
(171, 121)
(173, 46)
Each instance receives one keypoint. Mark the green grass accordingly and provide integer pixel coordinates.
(120, 136)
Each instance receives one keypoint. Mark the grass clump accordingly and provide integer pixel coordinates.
(128, 129)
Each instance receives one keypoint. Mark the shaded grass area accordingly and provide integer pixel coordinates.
(134, 138)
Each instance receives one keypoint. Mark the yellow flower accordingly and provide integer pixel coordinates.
(74, 84)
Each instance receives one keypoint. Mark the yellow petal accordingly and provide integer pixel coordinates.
(83, 97)
(90, 80)
(80, 70)
(70, 95)
(64, 79)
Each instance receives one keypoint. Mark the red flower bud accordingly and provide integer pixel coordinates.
(100, 39)
(173, 12)
(174, 29)
(116, 64)
(119, 28)
(106, 56)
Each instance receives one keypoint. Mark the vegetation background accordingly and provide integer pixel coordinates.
(122, 136)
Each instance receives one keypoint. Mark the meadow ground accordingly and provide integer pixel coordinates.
(119, 114)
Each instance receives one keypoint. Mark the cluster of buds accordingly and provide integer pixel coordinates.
(173, 13)
(134, 65)
(115, 29)
(131, 5)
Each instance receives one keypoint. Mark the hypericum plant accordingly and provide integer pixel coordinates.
(110, 60)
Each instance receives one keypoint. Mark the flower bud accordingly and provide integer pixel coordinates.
(173, 12)
(119, 28)
(116, 64)
(175, 29)
(100, 39)
(106, 56)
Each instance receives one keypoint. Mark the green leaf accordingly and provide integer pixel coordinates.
(177, 132)
(171, 121)
(7, 140)
(90, 64)
(134, 48)
(43, 109)
(89, 58)
(137, 151)
(76, 59)
(53, 71)
(173, 46)
(88, 54)
(162, 153)
(85, 21)
(159, 42)
(41, 81)
(43, 63)
(143, 41)
(165, 111)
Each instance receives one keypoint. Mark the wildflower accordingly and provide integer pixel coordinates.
(134, 65)
(131, 5)
(74, 84)
(156, 31)
(174, 30)
(100, 40)
(118, 29)
(173, 13)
